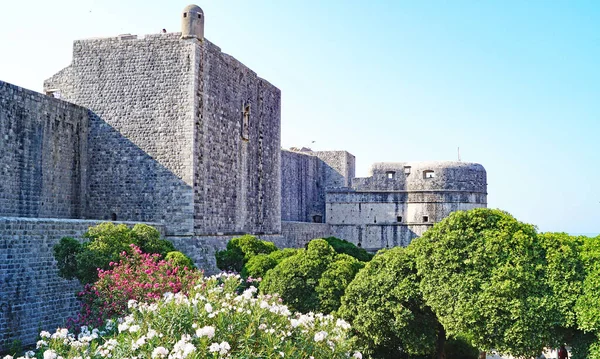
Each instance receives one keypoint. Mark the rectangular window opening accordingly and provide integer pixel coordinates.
(390, 174)
(407, 170)
(428, 174)
(399, 219)
(425, 219)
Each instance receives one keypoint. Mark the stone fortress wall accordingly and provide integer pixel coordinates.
(400, 201)
(397, 203)
(43, 143)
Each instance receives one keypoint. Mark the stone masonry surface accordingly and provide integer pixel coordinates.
(43, 143)
(32, 295)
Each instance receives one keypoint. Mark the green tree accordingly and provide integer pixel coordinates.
(587, 307)
(343, 246)
(483, 274)
(105, 242)
(258, 265)
(385, 307)
(313, 279)
(335, 280)
(239, 250)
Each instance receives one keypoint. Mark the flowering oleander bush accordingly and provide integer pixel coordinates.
(213, 321)
(138, 276)
(105, 244)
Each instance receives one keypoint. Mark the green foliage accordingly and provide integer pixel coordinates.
(385, 307)
(343, 246)
(16, 348)
(296, 278)
(588, 304)
(180, 260)
(106, 242)
(335, 280)
(312, 279)
(483, 274)
(258, 266)
(282, 254)
(66, 252)
(239, 251)
(460, 348)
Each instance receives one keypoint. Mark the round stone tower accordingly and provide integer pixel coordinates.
(192, 22)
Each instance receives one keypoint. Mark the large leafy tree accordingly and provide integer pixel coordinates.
(313, 279)
(483, 273)
(587, 308)
(386, 309)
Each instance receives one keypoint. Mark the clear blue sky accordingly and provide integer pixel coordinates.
(515, 84)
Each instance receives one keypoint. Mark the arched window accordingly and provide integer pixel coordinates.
(113, 217)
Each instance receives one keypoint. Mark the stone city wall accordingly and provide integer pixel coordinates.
(300, 191)
(43, 142)
(32, 295)
(141, 92)
(237, 184)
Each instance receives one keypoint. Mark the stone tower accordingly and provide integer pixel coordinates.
(192, 22)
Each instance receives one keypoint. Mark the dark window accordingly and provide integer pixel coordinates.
(185, 14)
(199, 16)
(428, 174)
(390, 174)
(113, 217)
(317, 218)
(399, 219)
(359, 245)
(425, 219)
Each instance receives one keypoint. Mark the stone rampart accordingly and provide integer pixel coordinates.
(43, 142)
(32, 295)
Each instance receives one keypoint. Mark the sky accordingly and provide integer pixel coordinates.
(514, 84)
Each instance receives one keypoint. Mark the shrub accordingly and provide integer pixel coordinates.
(460, 348)
(239, 250)
(258, 266)
(212, 322)
(307, 281)
(386, 308)
(178, 259)
(335, 280)
(137, 276)
(106, 242)
(343, 246)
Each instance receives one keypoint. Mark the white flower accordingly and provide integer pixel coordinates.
(41, 343)
(44, 334)
(208, 307)
(8, 357)
(342, 324)
(132, 303)
(319, 336)
(50, 354)
(357, 355)
(123, 327)
(151, 333)
(134, 328)
(282, 354)
(263, 326)
(207, 331)
(160, 352)
(214, 347)
(224, 348)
